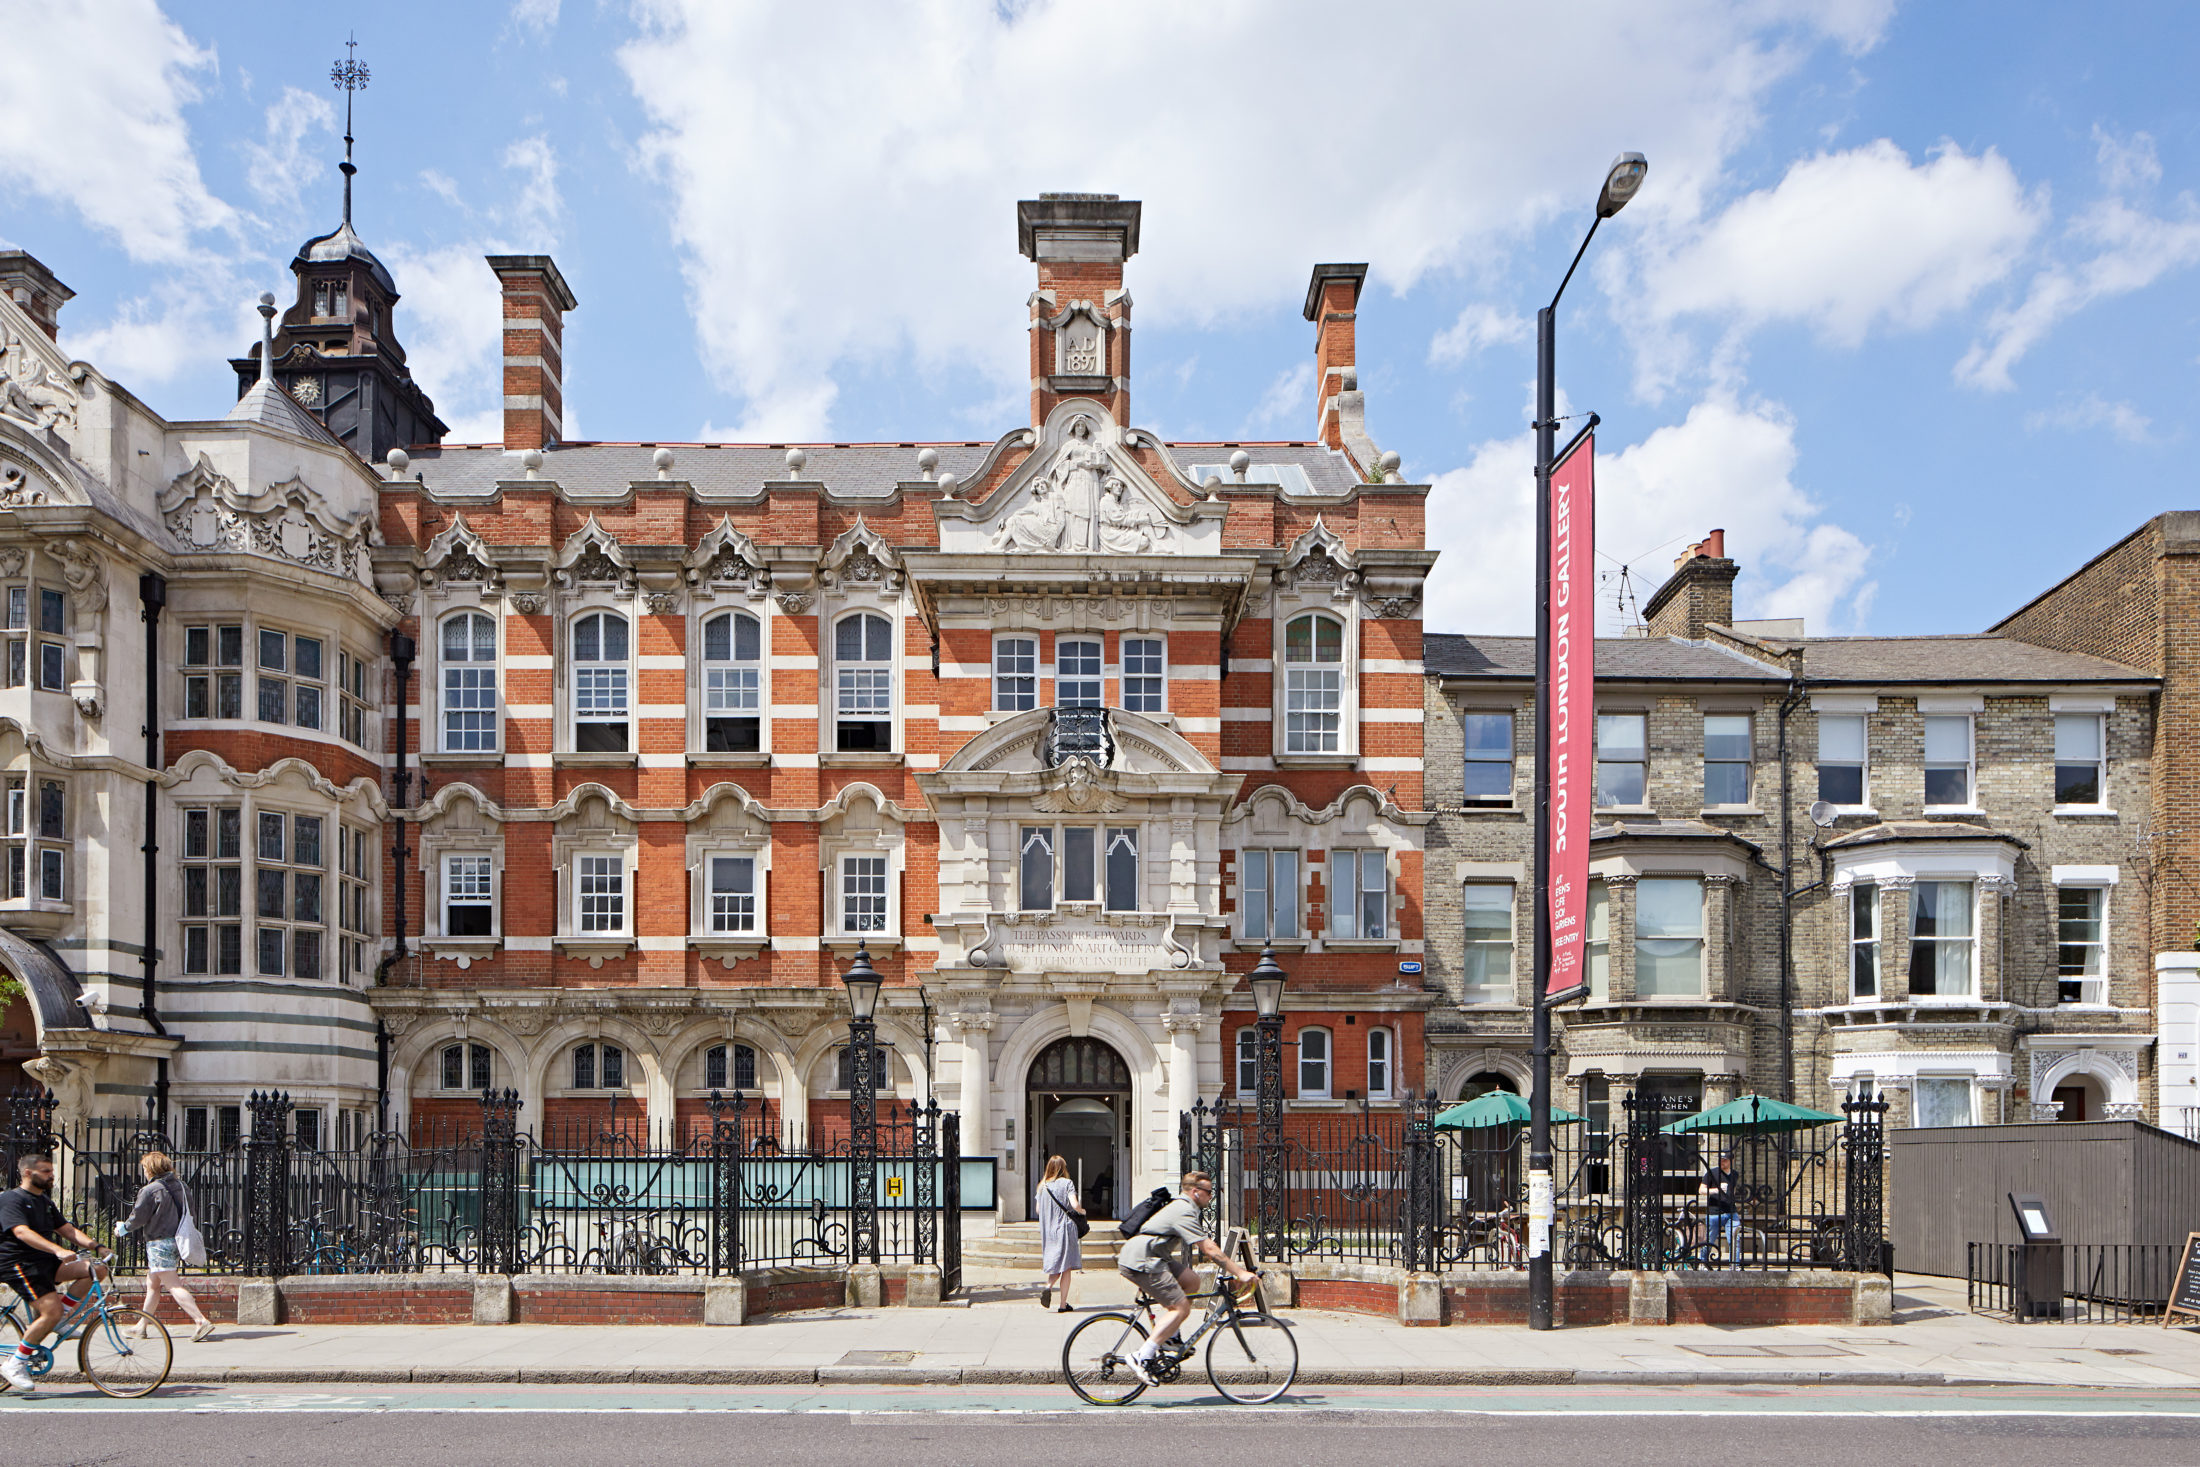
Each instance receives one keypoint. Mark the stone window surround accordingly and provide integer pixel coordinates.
(1866, 704)
(430, 691)
(1989, 866)
(1900, 1069)
(836, 605)
(727, 946)
(589, 600)
(1289, 606)
(35, 914)
(445, 831)
(839, 838)
(250, 624)
(580, 833)
(2103, 879)
(700, 613)
(1274, 819)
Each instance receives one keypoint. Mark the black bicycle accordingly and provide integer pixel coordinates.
(1252, 1357)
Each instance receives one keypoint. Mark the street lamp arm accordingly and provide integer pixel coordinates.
(1592, 234)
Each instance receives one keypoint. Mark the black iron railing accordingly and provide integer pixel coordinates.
(739, 1188)
(2080, 1283)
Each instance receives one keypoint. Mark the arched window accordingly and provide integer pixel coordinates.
(1313, 1064)
(599, 683)
(719, 1075)
(1313, 685)
(468, 1067)
(594, 1063)
(733, 684)
(469, 684)
(882, 1072)
(863, 689)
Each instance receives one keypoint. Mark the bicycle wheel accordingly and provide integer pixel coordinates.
(121, 1364)
(1252, 1358)
(1096, 1359)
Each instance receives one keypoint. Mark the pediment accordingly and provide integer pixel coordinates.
(1139, 747)
(205, 512)
(458, 554)
(1080, 492)
(33, 473)
(726, 559)
(593, 554)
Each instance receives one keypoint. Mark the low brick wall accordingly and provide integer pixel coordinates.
(1584, 1298)
(217, 1298)
(374, 1299)
(604, 1299)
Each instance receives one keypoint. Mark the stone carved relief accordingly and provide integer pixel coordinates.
(11, 561)
(794, 603)
(861, 557)
(1080, 504)
(17, 490)
(206, 513)
(527, 603)
(663, 603)
(457, 554)
(593, 555)
(1080, 344)
(1319, 558)
(32, 389)
(84, 574)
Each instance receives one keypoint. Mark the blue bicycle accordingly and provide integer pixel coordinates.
(121, 1350)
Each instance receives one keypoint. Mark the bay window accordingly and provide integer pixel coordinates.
(1669, 939)
(212, 867)
(1943, 945)
(213, 671)
(1863, 942)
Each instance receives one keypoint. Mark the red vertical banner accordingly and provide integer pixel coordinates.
(1572, 633)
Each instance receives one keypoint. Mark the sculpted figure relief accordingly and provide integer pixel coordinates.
(1077, 472)
(1037, 526)
(1128, 524)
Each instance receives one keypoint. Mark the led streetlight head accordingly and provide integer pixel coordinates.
(1620, 184)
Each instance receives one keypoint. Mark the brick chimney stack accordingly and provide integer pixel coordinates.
(1700, 592)
(32, 286)
(536, 299)
(1333, 304)
(1080, 313)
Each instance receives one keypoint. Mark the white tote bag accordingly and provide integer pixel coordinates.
(190, 1243)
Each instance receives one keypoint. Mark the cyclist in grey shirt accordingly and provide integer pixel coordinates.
(1159, 1261)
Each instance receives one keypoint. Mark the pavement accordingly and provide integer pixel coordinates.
(1000, 1337)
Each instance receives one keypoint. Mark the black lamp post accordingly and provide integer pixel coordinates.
(1266, 981)
(863, 985)
(1620, 184)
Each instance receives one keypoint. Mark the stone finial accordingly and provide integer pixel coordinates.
(928, 462)
(948, 485)
(1388, 466)
(1239, 463)
(796, 458)
(662, 458)
(398, 461)
(531, 460)
(267, 336)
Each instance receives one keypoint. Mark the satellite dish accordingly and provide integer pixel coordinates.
(1821, 814)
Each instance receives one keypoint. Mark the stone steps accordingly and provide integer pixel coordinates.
(1017, 1245)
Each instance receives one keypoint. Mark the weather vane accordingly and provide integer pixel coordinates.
(349, 76)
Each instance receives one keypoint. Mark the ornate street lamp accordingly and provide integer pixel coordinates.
(1621, 181)
(863, 985)
(1267, 980)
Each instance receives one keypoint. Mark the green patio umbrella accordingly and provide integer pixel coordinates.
(1498, 1108)
(1750, 1115)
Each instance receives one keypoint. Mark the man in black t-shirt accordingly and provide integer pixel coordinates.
(1722, 1205)
(34, 1260)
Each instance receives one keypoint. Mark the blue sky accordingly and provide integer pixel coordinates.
(1908, 304)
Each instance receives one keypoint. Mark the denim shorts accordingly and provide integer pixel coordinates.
(161, 1256)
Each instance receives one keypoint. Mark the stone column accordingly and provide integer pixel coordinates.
(973, 1032)
(1183, 1030)
(1720, 964)
(1619, 926)
(1894, 942)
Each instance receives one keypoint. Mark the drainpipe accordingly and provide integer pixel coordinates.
(1788, 704)
(152, 596)
(401, 652)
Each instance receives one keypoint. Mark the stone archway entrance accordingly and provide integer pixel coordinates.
(1483, 1083)
(1080, 1109)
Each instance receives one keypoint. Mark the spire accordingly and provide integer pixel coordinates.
(267, 336)
(349, 76)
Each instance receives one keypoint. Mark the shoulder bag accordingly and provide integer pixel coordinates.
(190, 1243)
(1077, 1220)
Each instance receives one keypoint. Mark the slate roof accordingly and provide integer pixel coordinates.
(1890, 832)
(1619, 659)
(1827, 661)
(848, 469)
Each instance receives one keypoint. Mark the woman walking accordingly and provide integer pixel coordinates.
(159, 1211)
(1062, 1251)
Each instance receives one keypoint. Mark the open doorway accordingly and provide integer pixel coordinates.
(1080, 1104)
(2079, 1099)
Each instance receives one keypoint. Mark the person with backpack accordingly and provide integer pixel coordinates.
(161, 1212)
(1159, 1261)
(1062, 1227)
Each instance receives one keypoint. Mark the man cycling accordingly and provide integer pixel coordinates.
(1157, 1261)
(34, 1263)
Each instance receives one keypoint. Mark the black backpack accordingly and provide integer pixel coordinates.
(1135, 1220)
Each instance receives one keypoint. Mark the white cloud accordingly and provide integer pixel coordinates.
(1850, 242)
(2130, 250)
(277, 167)
(91, 120)
(538, 16)
(1726, 466)
(2093, 411)
(1289, 399)
(1478, 326)
(845, 206)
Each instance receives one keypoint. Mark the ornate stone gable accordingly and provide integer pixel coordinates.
(1080, 492)
(206, 513)
(35, 387)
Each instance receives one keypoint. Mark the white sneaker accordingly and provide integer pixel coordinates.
(1142, 1368)
(16, 1371)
